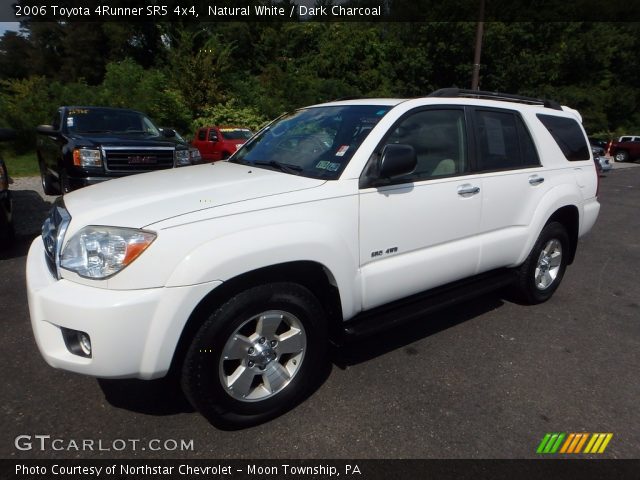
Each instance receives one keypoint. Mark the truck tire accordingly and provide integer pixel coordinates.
(541, 273)
(256, 356)
(621, 156)
(45, 179)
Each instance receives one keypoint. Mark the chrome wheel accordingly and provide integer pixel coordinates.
(262, 356)
(548, 266)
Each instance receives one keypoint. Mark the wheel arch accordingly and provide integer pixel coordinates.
(569, 217)
(314, 276)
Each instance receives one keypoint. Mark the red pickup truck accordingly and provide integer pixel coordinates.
(625, 148)
(218, 143)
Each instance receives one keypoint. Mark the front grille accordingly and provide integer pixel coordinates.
(53, 230)
(133, 160)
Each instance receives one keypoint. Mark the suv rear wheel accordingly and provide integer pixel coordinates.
(540, 275)
(256, 356)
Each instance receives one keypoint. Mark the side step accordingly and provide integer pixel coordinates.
(395, 313)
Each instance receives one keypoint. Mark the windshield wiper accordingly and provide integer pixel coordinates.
(283, 167)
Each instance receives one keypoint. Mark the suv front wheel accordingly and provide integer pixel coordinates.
(540, 275)
(256, 356)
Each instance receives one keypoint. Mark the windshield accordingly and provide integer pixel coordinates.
(106, 120)
(235, 133)
(315, 142)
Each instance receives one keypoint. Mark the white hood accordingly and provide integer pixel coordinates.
(140, 200)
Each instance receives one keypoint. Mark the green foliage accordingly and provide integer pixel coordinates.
(230, 114)
(189, 74)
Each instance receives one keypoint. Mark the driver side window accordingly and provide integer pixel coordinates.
(439, 139)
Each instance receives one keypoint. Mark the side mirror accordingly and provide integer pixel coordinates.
(397, 160)
(46, 130)
(168, 132)
(213, 138)
(7, 134)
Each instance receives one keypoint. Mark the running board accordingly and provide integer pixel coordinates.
(395, 313)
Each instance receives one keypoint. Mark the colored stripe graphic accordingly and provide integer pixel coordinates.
(574, 442)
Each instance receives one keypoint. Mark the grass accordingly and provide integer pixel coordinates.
(21, 165)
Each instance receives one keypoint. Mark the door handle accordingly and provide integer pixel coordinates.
(535, 180)
(468, 189)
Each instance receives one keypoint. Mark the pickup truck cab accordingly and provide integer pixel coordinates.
(88, 145)
(219, 143)
(336, 220)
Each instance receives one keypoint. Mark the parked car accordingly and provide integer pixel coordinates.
(600, 159)
(337, 220)
(88, 145)
(599, 142)
(625, 148)
(6, 203)
(219, 143)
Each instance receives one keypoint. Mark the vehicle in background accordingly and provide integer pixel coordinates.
(599, 142)
(88, 145)
(219, 143)
(601, 161)
(625, 148)
(6, 204)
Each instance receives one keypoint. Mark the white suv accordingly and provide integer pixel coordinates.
(344, 217)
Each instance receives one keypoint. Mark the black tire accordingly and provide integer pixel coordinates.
(47, 185)
(527, 287)
(203, 370)
(621, 156)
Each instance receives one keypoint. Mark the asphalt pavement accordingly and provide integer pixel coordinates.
(486, 379)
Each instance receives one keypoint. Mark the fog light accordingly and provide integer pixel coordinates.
(85, 343)
(77, 342)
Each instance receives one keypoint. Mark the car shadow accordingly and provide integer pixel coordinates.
(359, 350)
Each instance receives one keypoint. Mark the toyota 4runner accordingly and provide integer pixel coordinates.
(337, 219)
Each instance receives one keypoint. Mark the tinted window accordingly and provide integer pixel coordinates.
(504, 141)
(202, 134)
(568, 135)
(439, 139)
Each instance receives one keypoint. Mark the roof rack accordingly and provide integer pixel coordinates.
(506, 97)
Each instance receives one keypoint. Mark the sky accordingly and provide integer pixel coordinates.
(4, 26)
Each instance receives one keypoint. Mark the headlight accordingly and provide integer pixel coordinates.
(85, 157)
(100, 252)
(181, 158)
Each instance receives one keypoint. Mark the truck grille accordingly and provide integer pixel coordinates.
(53, 230)
(133, 160)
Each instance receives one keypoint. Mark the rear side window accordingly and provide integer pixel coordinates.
(504, 141)
(202, 134)
(568, 135)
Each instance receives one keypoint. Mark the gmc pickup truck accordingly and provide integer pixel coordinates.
(88, 145)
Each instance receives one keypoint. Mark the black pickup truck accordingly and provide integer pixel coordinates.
(87, 145)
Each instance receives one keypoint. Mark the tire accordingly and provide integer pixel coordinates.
(621, 156)
(242, 345)
(47, 185)
(540, 275)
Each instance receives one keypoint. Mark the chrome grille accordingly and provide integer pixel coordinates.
(53, 230)
(133, 160)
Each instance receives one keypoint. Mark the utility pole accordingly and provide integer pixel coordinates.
(475, 79)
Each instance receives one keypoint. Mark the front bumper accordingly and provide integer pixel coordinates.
(133, 333)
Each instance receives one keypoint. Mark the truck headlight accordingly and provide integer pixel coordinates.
(86, 157)
(100, 252)
(181, 158)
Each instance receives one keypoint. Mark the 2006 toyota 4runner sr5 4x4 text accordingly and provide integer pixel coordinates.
(340, 218)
